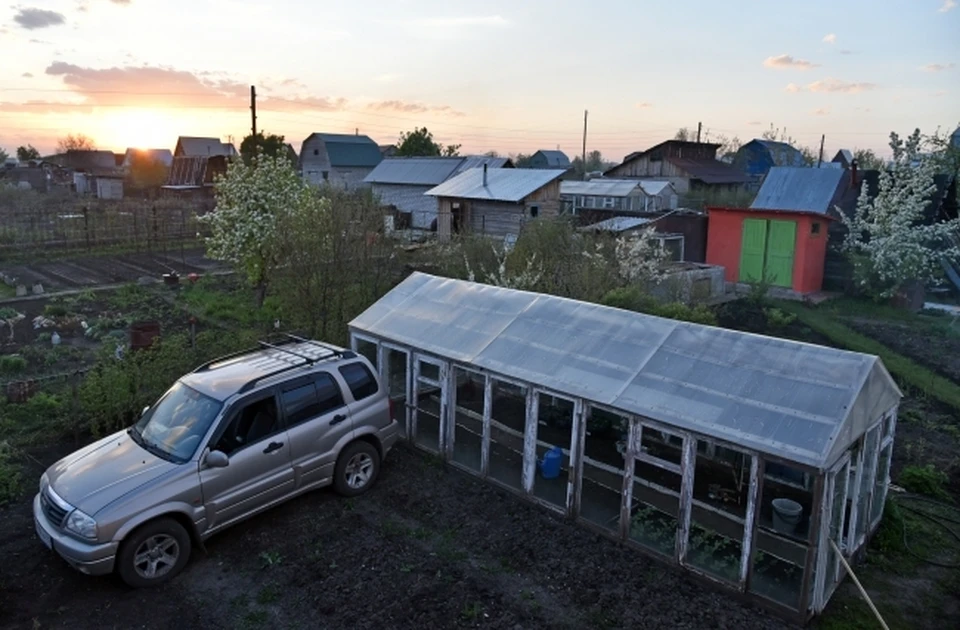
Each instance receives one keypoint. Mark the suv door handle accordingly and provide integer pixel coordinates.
(337, 419)
(273, 446)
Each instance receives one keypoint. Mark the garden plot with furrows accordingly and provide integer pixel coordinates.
(428, 547)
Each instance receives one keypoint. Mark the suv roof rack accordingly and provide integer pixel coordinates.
(304, 359)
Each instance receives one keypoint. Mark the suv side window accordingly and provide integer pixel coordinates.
(328, 393)
(300, 404)
(250, 424)
(359, 380)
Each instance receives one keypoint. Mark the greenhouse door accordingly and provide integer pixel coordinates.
(430, 402)
(837, 515)
(555, 435)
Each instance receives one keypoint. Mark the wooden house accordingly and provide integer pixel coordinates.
(400, 182)
(189, 146)
(549, 159)
(496, 201)
(689, 166)
(622, 195)
(342, 160)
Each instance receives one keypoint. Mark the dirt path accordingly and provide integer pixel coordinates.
(429, 547)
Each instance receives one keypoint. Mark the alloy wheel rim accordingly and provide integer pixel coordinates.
(359, 470)
(156, 556)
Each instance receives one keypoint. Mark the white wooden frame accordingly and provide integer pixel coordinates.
(443, 385)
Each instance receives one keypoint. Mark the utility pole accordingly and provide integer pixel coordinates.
(253, 109)
(820, 159)
(699, 129)
(584, 156)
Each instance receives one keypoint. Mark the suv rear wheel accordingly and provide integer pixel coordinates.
(357, 469)
(154, 553)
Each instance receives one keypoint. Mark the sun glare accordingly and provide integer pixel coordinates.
(138, 128)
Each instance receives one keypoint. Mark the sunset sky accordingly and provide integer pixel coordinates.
(494, 75)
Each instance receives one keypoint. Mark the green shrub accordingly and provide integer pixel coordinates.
(926, 480)
(12, 364)
(778, 319)
(633, 299)
(55, 310)
(8, 313)
(10, 476)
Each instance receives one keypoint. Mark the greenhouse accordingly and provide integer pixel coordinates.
(740, 457)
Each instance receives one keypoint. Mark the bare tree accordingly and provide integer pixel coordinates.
(78, 142)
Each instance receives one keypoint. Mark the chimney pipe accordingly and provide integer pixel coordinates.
(853, 174)
(484, 175)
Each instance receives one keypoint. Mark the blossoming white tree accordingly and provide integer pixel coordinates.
(888, 239)
(641, 257)
(251, 201)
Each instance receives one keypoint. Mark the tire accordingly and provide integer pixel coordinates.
(162, 544)
(357, 469)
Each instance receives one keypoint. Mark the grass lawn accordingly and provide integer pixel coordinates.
(907, 372)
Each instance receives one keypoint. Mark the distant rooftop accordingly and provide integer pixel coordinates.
(503, 184)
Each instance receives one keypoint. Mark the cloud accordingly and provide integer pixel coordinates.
(38, 41)
(159, 87)
(32, 19)
(846, 51)
(754, 123)
(947, 5)
(452, 22)
(938, 67)
(27, 75)
(781, 62)
(939, 93)
(830, 38)
(823, 111)
(792, 88)
(644, 105)
(838, 86)
(388, 77)
(413, 108)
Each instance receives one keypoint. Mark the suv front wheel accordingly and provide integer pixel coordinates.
(154, 553)
(357, 469)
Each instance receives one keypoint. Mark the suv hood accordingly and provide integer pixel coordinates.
(104, 471)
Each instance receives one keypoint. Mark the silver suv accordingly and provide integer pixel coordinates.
(234, 437)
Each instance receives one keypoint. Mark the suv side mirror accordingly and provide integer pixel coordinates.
(217, 459)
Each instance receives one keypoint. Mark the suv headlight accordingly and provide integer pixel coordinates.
(81, 524)
(44, 482)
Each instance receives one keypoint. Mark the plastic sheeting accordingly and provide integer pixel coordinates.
(801, 402)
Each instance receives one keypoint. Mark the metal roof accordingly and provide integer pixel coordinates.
(799, 189)
(477, 161)
(798, 401)
(554, 158)
(654, 187)
(206, 147)
(617, 224)
(600, 187)
(89, 160)
(345, 149)
(503, 184)
(429, 171)
(416, 171)
(710, 171)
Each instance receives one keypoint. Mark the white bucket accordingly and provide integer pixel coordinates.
(786, 515)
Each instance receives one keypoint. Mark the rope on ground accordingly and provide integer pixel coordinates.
(863, 592)
(942, 521)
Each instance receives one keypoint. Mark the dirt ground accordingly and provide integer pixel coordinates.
(428, 547)
(933, 350)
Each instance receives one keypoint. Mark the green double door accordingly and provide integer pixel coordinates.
(767, 251)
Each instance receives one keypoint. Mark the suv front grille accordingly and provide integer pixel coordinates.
(54, 513)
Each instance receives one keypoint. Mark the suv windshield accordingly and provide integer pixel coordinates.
(173, 427)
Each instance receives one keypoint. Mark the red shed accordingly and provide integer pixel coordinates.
(787, 247)
(783, 235)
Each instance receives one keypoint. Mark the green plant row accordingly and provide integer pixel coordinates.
(906, 371)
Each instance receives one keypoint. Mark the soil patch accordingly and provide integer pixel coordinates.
(428, 547)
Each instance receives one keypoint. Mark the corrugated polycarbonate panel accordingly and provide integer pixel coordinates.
(802, 402)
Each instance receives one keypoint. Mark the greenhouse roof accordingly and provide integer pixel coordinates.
(801, 402)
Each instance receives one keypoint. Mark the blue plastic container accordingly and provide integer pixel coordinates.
(550, 464)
